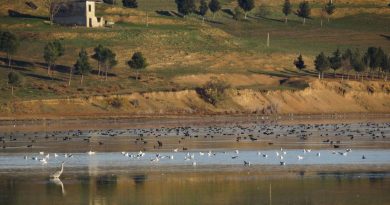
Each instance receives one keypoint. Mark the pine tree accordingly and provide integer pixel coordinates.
(330, 9)
(335, 61)
(357, 63)
(304, 11)
(214, 6)
(386, 65)
(321, 64)
(373, 59)
(287, 9)
(299, 63)
(246, 5)
(203, 8)
(185, 7)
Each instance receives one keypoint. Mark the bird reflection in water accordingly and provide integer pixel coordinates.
(59, 183)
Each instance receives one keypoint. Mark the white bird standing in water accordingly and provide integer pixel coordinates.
(57, 174)
(43, 161)
(91, 153)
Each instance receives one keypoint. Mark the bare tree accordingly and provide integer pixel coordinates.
(53, 7)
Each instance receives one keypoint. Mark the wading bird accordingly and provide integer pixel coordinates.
(57, 174)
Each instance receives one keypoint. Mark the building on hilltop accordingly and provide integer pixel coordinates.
(78, 13)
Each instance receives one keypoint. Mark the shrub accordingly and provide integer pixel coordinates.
(14, 78)
(135, 103)
(130, 3)
(112, 2)
(116, 102)
(213, 91)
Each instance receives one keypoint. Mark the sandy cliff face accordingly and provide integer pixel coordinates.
(320, 97)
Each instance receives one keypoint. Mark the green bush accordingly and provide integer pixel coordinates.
(213, 91)
(14, 78)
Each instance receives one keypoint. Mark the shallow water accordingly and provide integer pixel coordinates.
(112, 177)
(197, 188)
(201, 158)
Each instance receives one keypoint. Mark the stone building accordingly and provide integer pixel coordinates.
(78, 13)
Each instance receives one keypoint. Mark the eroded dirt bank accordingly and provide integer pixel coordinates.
(321, 97)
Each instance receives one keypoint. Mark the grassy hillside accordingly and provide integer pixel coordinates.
(183, 52)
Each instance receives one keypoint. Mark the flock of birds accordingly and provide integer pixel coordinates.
(153, 139)
(191, 157)
(331, 134)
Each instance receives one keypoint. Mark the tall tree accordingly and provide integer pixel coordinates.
(287, 9)
(357, 63)
(82, 65)
(53, 7)
(246, 5)
(9, 44)
(321, 64)
(185, 7)
(335, 61)
(346, 59)
(304, 10)
(203, 8)
(330, 8)
(137, 62)
(52, 51)
(214, 6)
(373, 59)
(386, 65)
(109, 60)
(14, 79)
(300, 63)
(98, 56)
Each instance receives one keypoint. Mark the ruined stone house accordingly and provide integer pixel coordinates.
(78, 13)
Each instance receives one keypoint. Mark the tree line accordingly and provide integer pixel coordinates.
(373, 62)
(54, 50)
(104, 56)
(186, 7)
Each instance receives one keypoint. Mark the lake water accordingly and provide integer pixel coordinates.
(159, 187)
(12, 161)
(323, 163)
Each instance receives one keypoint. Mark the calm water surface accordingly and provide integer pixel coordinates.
(115, 178)
(241, 187)
(110, 177)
